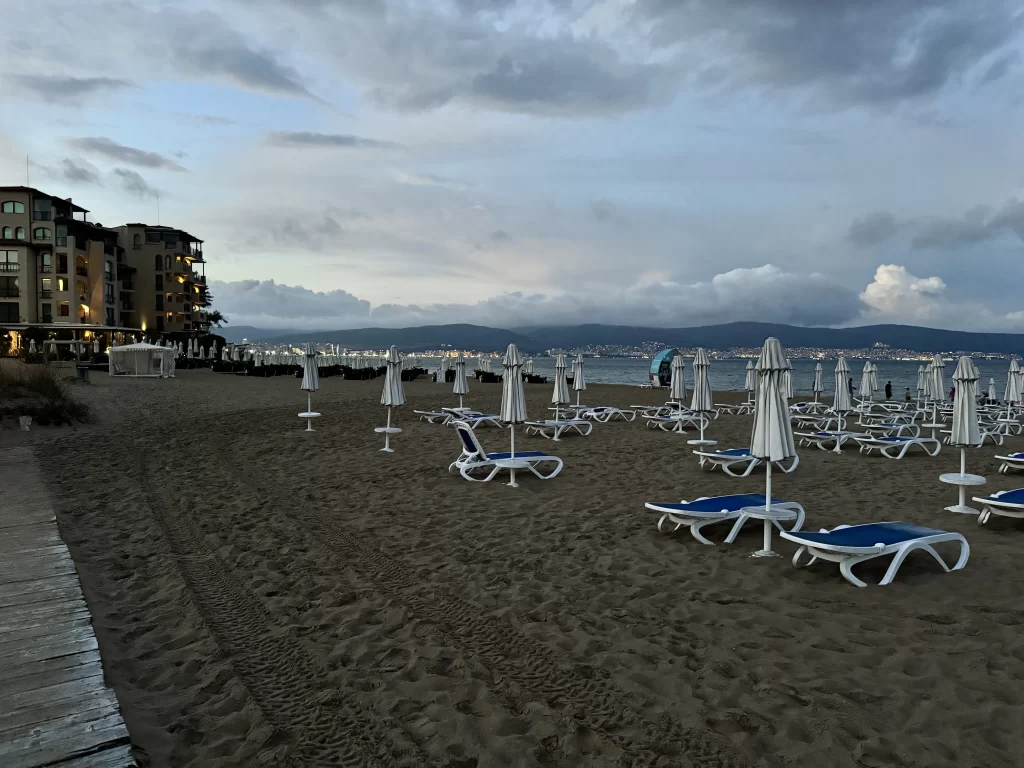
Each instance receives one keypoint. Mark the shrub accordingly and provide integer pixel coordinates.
(40, 393)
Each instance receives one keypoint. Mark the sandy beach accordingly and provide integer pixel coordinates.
(265, 596)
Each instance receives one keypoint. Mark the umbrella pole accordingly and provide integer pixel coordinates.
(460, 402)
(309, 409)
(512, 469)
(387, 433)
(556, 419)
(767, 551)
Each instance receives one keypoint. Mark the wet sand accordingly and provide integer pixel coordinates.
(266, 596)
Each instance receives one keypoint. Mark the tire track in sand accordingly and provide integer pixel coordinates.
(290, 688)
(523, 667)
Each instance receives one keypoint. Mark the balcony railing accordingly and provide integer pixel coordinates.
(42, 215)
(45, 294)
(9, 266)
(10, 293)
(46, 319)
(46, 268)
(62, 241)
(82, 271)
(128, 306)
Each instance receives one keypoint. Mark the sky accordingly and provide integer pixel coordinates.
(354, 163)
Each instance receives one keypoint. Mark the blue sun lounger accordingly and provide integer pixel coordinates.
(708, 510)
(1003, 503)
(850, 545)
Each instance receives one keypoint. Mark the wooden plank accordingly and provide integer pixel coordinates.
(115, 757)
(21, 614)
(43, 677)
(49, 746)
(101, 702)
(40, 592)
(40, 585)
(40, 615)
(8, 674)
(10, 575)
(51, 694)
(50, 650)
(43, 534)
(71, 628)
(26, 518)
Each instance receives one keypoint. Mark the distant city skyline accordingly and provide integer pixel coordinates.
(523, 162)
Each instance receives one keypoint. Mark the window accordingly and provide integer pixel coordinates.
(42, 210)
(64, 309)
(47, 313)
(19, 233)
(8, 312)
(9, 261)
(47, 288)
(108, 271)
(62, 262)
(160, 301)
(170, 239)
(110, 316)
(62, 283)
(167, 262)
(47, 262)
(8, 233)
(136, 241)
(108, 293)
(158, 262)
(62, 234)
(9, 288)
(41, 233)
(160, 283)
(153, 237)
(10, 206)
(159, 322)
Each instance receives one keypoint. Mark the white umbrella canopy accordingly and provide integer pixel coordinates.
(842, 403)
(787, 381)
(310, 383)
(513, 400)
(992, 389)
(560, 395)
(579, 382)
(461, 387)
(1012, 392)
(922, 381)
(772, 436)
(677, 384)
(32, 347)
(938, 384)
(965, 431)
(702, 397)
(866, 389)
(750, 383)
(818, 388)
(393, 394)
(874, 377)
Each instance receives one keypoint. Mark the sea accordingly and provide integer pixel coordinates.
(730, 375)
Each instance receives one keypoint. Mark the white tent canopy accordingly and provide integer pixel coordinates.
(141, 360)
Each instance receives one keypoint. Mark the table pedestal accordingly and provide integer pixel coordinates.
(387, 432)
(309, 416)
(768, 514)
(963, 481)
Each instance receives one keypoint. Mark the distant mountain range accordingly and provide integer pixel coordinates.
(717, 337)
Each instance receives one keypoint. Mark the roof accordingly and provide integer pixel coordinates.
(40, 193)
(160, 228)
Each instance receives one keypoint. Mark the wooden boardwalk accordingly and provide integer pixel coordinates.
(55, 709)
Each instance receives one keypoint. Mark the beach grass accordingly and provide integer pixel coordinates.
(42, 393)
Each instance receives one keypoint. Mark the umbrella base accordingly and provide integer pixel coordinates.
(765, 553)
(963, 509)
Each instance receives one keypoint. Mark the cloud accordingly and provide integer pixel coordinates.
(311, 140)
(62, 89)
(873, 229)
(430, 180)
(842, 53)
(210, 120)
(133, 183)
(306, 233)
(112, 150)
(500, 236)
(75, 172)
(765, 293)
(604, 210)
(978, 225)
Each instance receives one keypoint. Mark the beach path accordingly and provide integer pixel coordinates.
(55, 707)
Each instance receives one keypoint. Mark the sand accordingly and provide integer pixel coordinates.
(268, 597)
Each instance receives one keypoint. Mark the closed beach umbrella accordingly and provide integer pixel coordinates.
(750, 383)
(818, 388)
(213, 349)
(702, 398)
(865, 390)
(310, 383)
(188, 350)
(965, 430)
(461, 381)
(992, 389)
(1012, 392)
(772, 437)
(922, 381)
(787, 381)
(677, 384)
(32, 346)
(560, 396)
(874, 377)
(579, 383)
(95, 346)
(513, 400)
(938, 382)
(841, 404)
(393, 394)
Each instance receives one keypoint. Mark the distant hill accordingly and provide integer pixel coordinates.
(719, 337)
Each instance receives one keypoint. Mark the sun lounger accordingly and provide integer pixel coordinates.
(893, 429)
(826, 441)
(735, 409)
(552, 428)
(677, 422)
(606, 413)
(983, 433)
(739, 457)
(434, 417)
(897, 447)
(709, 510)
(474, 457)
(1004, 503)
(1011, 461)
(849, 545)
(476, 420)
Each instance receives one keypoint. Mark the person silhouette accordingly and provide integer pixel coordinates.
(888, 390)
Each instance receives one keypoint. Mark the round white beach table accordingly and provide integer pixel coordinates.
(308, 416)
(963, 481)
(934, 427)
(387, 432)
(702, 443)
(768, 514)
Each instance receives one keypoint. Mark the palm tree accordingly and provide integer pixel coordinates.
(215, 318)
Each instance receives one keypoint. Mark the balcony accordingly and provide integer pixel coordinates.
(127, 306)
(42, 215)
(82, 271)
(10, 293)
(46, 268)
(46, 319)
(9, 266)
(46, 294)
(62, 241)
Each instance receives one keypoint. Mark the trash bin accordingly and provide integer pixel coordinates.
(83, 372)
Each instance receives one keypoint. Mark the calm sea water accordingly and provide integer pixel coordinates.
(730, 375)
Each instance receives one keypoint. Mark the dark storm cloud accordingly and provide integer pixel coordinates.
(101, 145)
(978, 225)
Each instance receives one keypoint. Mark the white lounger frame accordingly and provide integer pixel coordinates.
(992, 506)
(1010, 462)
(605, 413)
(710, 460)
(468, 462)
(825, 440)
(551, 428)
(678, 422)
(847, 557)
(696, 520)
(897, 450)
(434, 417)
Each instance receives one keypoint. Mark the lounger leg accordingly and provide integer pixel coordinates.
(695, 530)
(847, 564)
(901, 555)
(737, 526)
(799, 554)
